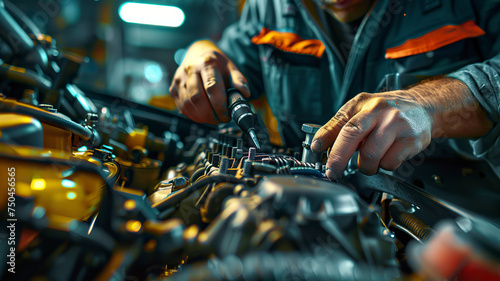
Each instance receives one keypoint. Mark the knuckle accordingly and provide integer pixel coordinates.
(340, 117)
(381, 103)
(362, 97)
(210, 60)
(369, 154)
(398, 116)
(352, 128)
(418, 146)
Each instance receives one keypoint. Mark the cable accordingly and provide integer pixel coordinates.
(306, 171)
(405, 230)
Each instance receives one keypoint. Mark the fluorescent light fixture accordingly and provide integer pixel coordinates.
(151, 14)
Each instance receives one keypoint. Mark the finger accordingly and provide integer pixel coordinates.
(374, 148)
(215, 90)
(174, 87)
(327, 134)
(349, 137)
(239, 81)
(198, 103)
(397, 153)
(186, 107)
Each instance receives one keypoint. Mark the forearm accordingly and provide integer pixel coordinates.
(454, 110)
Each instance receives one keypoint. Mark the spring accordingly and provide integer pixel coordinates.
(416, 225)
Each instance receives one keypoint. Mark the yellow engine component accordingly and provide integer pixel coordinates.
(166, 102)
(143, 176)
(46, 176)
(137, 137)
(56, 138)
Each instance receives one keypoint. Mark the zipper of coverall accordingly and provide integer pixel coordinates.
(332, 50)
(354, 55)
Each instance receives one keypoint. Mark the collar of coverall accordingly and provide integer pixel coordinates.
(322, 4)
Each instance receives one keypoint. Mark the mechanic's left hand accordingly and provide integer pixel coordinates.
(387, 128)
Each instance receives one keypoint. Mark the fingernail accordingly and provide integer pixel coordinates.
(331, 174)
(316, 145)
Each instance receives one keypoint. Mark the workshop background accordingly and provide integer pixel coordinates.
(133, 47)
(98, 185)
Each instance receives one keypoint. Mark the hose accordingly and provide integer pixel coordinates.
(11, 105)
(180, 195)
(198, 173)
(25, 76)
(20, 16)
(12, 32)
(285, 266)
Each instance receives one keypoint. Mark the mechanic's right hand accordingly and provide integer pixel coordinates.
(200, 83)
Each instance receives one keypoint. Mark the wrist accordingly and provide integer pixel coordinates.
(452, 107)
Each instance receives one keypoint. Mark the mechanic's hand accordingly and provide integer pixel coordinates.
(200, 83)
(387, 128)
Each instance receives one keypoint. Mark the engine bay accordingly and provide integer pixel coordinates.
(103, 188)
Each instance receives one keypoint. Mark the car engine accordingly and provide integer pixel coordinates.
(96, 187)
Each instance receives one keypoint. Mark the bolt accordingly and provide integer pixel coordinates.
(102, 154)
(234, 151)
(307, 154)
(437, 179)
(224, 165)
(91, 119)
(318, 165)
(247, 168)
(48, 107)
(181, 167)
(251, 153)
(215, 160)
(239, 144)
(310, 128)
(179, 183)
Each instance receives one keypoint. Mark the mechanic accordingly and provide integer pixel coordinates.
(310, 57)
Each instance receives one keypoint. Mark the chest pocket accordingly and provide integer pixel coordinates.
(291, 68)
(438, 51)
